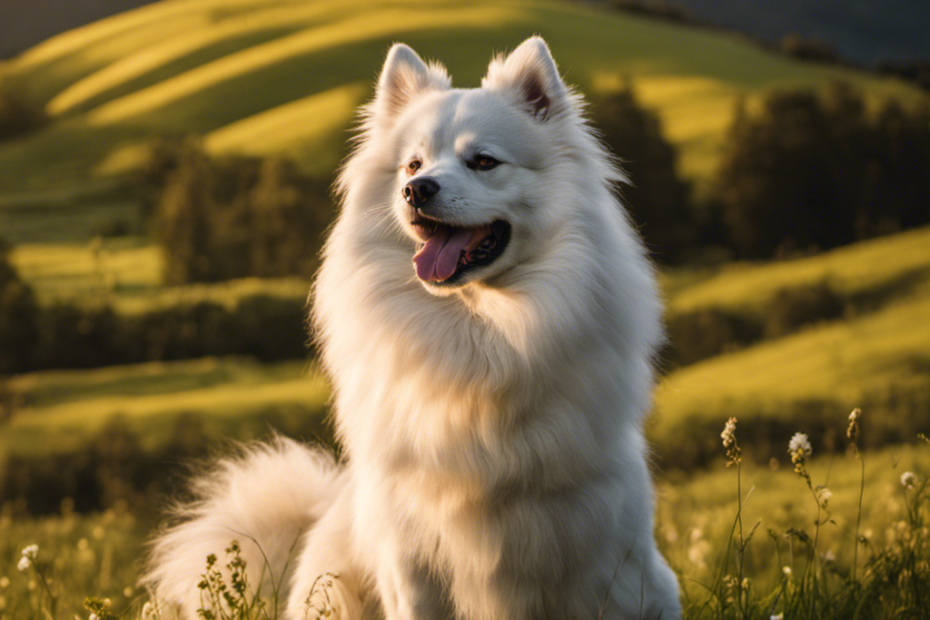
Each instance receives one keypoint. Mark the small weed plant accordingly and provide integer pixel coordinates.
(893, 583)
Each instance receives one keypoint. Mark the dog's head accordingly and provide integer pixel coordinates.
(475, 168)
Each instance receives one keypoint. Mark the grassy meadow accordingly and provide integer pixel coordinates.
(747, 542)
(283, 77)
(63, 410)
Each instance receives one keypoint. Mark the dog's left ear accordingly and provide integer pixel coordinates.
(529, 75)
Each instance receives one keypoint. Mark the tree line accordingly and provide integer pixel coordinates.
(806, 172)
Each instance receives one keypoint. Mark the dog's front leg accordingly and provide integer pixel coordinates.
(326, 580)
(408, 590)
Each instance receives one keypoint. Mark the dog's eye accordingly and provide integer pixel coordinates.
(485, 162)
(413, 166)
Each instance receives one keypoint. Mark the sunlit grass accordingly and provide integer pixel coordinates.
(62, 410)
(127, 275)
(80, 555)
(696, 514)
(99, 554)
(203, 65)
(363, 27)
(93, 272)
(122, 24)
(293, 130)
(881, 358)
(695, 113)
(898, 260)
(276, 19)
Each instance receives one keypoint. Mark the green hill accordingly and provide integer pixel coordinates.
(262, 76)
(284, 76)
(62, 410)
(875, 358)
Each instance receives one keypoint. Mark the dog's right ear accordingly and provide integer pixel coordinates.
(403, 77)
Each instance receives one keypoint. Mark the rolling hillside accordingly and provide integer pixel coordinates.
(875, 357)
(279, 76)
(284, 76)
(62, 411)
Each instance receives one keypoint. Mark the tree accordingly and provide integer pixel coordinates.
(285, 209)
(19, 332)
(235, 217)
(658, 199)
(811, 172)
(16, 116)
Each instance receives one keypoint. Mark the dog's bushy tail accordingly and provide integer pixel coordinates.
(266, 497)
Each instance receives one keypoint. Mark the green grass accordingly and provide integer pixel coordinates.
(876, 358)
(696, 514)
(879, 361)
(61, 411)
(126, 273)
(99, 554)
(92, 272)
(81, 556)
(206, 66)
(886, 267)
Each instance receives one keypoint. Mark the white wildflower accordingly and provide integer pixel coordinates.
(780, 616)
(150, 611)
(786, 570)
(853, 431)
(908, 480)
(729, 442)
(823, 496)
(800, 443)
(31, 552)
(24, 564)
(93, 616)
(728, 429)
(799, 448)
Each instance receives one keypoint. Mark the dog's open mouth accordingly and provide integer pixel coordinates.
(451, 251)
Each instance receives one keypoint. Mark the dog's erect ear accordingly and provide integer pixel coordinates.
(403, 77)
(530, 76)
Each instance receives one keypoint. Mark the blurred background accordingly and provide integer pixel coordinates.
(164, 185)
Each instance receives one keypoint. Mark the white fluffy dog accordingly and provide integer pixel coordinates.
(488, 319)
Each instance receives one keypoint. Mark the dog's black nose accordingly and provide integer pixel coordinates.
(417, 192)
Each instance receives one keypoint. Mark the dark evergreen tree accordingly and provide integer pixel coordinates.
(811, 172)
(16, 116)
(658, 199)
(181, 223)
(218, 219)
(19, 311)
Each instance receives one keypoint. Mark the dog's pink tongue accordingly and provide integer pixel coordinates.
(440, 256)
